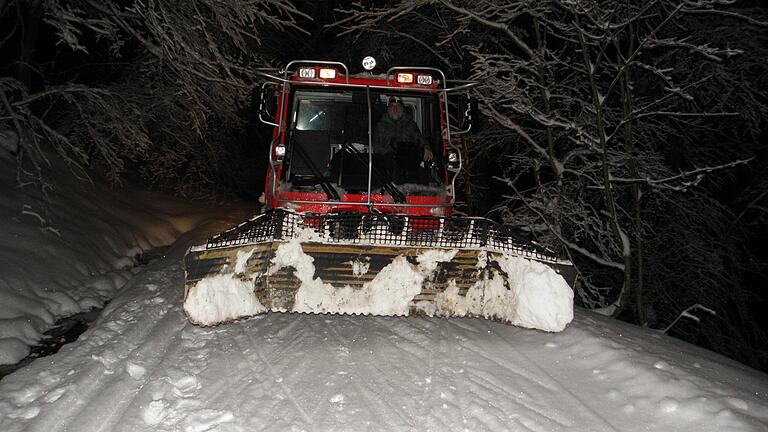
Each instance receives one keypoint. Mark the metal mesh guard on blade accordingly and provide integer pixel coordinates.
(382, 229)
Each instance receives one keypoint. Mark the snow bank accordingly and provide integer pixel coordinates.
(221, 298)
(74, 252)
(12, 350)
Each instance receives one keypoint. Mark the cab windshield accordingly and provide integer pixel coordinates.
(328, 147)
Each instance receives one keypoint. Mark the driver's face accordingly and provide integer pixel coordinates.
(395, 111)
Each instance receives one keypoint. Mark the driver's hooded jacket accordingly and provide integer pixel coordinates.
(389, 132)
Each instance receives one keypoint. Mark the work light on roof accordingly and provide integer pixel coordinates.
(327, 73)
(405, 78)
(305, 73)
(369, 63)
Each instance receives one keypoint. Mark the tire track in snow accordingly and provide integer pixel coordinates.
(431, 362)
(544, 373)
(520, 374)
(263, 351)
(184, 362)
(98, 378)
(495, 396)
(435, 357)
(467, 395)
(483, 385)
(526, 399)
(472, 393)
(254, 346)
(334, 354)
(206, 384)
(116, 398)
(372, 397)
(365, 382)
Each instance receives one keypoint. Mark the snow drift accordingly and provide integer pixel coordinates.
(73, 252)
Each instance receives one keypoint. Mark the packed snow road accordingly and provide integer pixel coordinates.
(142, 366)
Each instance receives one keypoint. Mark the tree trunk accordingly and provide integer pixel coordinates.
(636, 201)
(629, 148)
(31, 16)
(544, 93)
(626, 289)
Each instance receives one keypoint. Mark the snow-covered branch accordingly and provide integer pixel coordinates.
(687, 314)
(697, 174)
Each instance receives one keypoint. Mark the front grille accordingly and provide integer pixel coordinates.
(382, 230)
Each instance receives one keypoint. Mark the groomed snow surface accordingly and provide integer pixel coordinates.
(143, 367)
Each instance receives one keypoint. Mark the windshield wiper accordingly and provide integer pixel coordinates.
(328, 188)
(389, 185)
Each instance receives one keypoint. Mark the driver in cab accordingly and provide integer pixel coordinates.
(396, 133)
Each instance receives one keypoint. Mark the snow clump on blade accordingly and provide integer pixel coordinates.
(389, 293)
(529, 294)
(221, 298)
(544, 299)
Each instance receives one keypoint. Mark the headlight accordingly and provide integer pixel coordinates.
(437, 211)
(453, 159)
(279, 152)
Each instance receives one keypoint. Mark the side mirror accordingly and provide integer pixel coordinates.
(460, 114)
(268, 103)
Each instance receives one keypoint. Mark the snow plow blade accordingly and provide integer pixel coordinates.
(375, 264)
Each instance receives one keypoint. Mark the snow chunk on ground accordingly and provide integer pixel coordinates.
(221, 298)
(206, 419)
(155, 412)
(135, 371)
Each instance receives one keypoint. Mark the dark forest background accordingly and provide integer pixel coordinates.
(631, 136)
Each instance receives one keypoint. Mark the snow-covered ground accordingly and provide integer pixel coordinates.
(143, 367)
